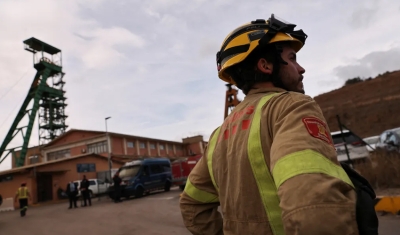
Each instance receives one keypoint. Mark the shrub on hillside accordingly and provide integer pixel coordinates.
(382, 169)
(353, 81)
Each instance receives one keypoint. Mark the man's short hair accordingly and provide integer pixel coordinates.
(246, 74)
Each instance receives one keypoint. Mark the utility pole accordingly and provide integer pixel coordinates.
(108, 149)
(344, 140)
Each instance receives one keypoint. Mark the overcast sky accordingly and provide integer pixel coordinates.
(150, 64)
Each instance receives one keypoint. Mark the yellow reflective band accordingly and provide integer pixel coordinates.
(22, 193)
(210, 151)
(265, 183)
(199, 195)
(306, 162)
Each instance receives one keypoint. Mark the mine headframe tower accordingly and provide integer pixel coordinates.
(46, 94)
(231, 100)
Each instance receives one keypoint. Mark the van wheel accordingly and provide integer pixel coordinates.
(182, 187)
(91, 194)
(167, 186)
(139, 192)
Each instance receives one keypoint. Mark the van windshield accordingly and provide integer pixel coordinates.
(128, 171)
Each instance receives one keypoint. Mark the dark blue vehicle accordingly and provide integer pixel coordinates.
(141, 177)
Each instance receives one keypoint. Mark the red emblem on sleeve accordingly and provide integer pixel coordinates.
(317, 129)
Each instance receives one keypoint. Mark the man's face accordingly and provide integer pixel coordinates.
(292, 73)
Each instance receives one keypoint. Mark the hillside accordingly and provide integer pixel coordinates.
(367, 108)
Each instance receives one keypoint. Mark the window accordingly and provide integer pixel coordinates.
(33, 159)
(161, 147)
(166, 167)
(348, 136)
(178, 147)
(129, 171)
(391, 137)
(142, 145)
(100, 147)
(152, 146)
(86, 167)
(170, 147)
(156, 169)
(5, 178)
(146, 171)
(58, 154)
(130, 145)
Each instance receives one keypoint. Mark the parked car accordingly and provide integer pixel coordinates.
(143, 177)
(97, 187)
(371, 142)
(356, 147)
(390, 140)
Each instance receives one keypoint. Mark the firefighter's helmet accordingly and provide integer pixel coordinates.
(244, 39)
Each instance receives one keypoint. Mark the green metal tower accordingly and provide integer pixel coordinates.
(48, 98)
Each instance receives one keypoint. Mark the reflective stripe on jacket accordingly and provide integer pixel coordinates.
(22, 193)
(272, 169)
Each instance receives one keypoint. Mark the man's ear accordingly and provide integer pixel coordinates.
(264, 66)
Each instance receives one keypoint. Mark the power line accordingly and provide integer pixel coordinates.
(15, 84)
(12, 111)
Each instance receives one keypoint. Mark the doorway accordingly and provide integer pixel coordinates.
(44, 187)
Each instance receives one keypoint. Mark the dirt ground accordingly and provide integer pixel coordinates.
(388, 192)
(156, 214)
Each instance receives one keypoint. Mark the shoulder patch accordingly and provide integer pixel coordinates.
(317, 129)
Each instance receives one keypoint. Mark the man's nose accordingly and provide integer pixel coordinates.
(301, 70)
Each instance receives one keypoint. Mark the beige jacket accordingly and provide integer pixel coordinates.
(311, 203)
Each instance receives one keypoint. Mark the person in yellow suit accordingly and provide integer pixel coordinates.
(271, 167)
(22, 196)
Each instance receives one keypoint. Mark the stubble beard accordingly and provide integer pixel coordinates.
(285, 78)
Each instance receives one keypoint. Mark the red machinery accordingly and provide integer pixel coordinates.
(181, 169)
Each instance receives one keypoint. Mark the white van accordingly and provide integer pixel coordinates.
(97, 186)
(390, 140)
(357, 148)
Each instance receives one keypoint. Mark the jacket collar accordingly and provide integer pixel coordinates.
(265, 90)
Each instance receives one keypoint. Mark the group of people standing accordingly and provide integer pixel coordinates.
(22, 195)
(72, 192)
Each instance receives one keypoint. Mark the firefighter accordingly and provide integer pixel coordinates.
(22, 195)
(271, 166)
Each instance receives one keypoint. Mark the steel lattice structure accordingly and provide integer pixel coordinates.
(231, 100)
(48, 101)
